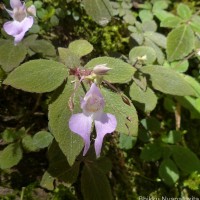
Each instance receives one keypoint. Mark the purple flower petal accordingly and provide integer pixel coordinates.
(93, 98)
(81, 124)
(12, 27)
(104, 123)
(18, 29)
(15, 3)
(26, 24)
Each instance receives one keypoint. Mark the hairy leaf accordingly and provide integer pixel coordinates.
(11, 55)
(42, 139)
(171, 22)
(59, 114)
(147, 100)
(180, 42)
(69, 58)
(184, 11)
(37, 76)
(80, 47)
(168, 81)
(142, 52)
(43, 47)
(124, 111)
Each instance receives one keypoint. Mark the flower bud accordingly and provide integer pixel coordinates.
(101, 69)
(32, 10)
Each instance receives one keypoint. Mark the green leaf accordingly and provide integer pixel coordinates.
(29, 40)
(59, 167)
(43, 47)
(104, 164)
(192, 104)
(10, 135)
(124, 111)
(171, 22)
(10, 156)
(149, 25)
(28, 144)
(59, 114)
(168, 81)
(180, 66)
(172, 137)
(193, 83)
(47, 181)
(94, 183)
(99, 10)
(42, 139)
(162, 14)
(160, 5)
(120, 72)
(150, 124)
(138, 37)
(157, 38)
(159, 54)
(11, 55)
(145, 15)
(37, 76)
(185, 159)
(184, 11)
(69, 58)
(147, 100)
(142, 51)
(168, 172)
(126, 141)
(180, 42)
(80, 47)
(195, 23)
(151, 152)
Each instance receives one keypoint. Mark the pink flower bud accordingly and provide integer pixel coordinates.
(101, 69)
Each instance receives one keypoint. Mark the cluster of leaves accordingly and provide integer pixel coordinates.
(151, 78)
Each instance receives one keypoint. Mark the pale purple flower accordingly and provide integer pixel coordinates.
(92, 105)
(22, 22)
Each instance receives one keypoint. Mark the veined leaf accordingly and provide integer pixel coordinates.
(10, 156)
(184, 11)
(124, 111)
(80, 47)
(59, 114)
(147, 100)
(11, 55)
(171, 22)
(168, 81)
(180, 42)
(140, 52)
(69, 58)
(37, 76)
